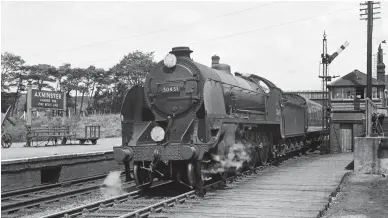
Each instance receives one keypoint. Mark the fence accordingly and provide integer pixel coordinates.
(99, 112)
(71, 113)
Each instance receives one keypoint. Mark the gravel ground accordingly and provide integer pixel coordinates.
(361, 196)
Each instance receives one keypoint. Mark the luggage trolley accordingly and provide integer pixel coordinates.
(92, 134)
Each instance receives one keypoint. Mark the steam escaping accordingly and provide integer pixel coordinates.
(112, 185)
(237, 155)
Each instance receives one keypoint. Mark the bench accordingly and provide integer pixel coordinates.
(49, 133)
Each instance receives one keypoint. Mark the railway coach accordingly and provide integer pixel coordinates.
(191, 122)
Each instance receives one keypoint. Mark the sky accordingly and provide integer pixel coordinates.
(281, 41)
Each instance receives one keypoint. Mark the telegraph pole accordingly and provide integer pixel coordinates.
(326, 61)
(369, 12)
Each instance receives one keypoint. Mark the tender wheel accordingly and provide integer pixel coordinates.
(94, 142)
(143, 177)
(6, 140)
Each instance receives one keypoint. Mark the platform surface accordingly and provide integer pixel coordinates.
(17, 151)
(301, 189)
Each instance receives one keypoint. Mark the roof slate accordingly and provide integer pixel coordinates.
(355, 78)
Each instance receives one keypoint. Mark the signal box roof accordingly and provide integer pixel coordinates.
(355, 78)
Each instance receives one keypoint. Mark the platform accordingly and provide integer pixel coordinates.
(300, 189)
(17, 151)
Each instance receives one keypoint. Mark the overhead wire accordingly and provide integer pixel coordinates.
(272, 26)
(166, 29)
(255, 30)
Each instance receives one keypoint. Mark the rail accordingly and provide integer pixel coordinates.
(113, 206)
(35, 196)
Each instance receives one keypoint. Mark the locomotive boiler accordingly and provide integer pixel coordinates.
(191, 122)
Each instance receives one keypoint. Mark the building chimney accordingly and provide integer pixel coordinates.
(380, 66)
(215, 60)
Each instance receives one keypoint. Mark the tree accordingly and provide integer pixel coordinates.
(13, 74)
(131, 70)
(42, 74)
(11, 65)
(134, 67)
(75, 79)
(63, 72)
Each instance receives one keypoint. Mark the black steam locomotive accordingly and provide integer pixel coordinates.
(191, 122)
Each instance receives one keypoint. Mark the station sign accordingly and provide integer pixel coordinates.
(47, 99)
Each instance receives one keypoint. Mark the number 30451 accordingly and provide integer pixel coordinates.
(170, 89)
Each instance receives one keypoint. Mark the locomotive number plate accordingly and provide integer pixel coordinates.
(168, 89)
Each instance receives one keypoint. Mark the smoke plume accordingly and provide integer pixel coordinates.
(237, 155)
(112, 185)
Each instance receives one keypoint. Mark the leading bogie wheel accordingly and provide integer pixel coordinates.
(6, 140)
(143, 177)
(194, 177)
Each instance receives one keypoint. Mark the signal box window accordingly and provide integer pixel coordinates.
(360, 93)
(343, 93)
(375, 93)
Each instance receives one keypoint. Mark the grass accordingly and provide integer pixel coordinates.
(110, 125)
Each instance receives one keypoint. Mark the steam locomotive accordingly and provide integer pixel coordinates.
(186, 121)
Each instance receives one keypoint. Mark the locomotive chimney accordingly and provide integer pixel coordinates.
(215, 60)
(181, 51)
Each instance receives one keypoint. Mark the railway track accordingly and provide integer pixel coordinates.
(145, 204)
(37, 198)
(135, 203)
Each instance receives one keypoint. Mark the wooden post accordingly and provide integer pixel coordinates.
(64, 109)
(29, 113)
(29, 103)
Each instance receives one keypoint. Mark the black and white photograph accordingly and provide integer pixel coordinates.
(191, 109)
